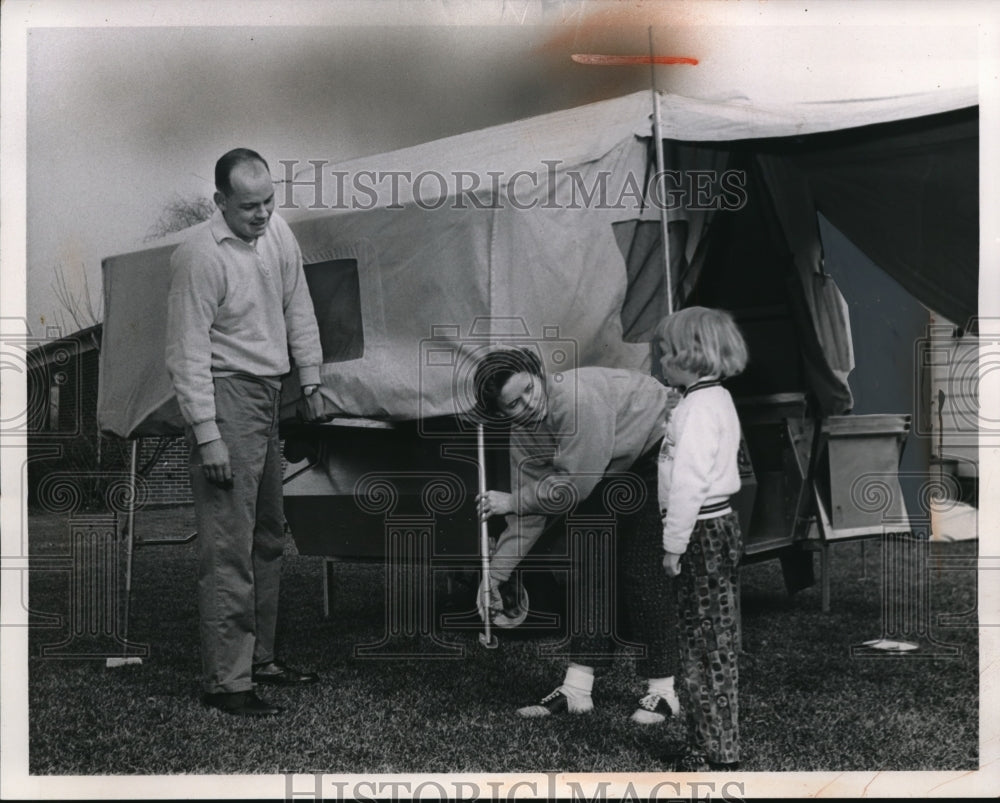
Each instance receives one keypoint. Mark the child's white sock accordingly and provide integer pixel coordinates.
(662, 686)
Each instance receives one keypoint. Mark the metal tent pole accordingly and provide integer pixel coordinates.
(486, 638)
(660, 170)
(129, 543)
(133, 461)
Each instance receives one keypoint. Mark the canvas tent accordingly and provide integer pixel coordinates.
(547, 232)
(547, 229)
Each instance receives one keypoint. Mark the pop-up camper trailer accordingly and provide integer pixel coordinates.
(547, 232)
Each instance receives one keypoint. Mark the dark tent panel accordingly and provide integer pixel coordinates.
(907, 195)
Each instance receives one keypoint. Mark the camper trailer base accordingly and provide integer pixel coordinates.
(389, 493)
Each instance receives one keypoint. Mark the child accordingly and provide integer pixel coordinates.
(701, 535)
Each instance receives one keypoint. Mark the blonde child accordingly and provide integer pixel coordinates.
(701, 535)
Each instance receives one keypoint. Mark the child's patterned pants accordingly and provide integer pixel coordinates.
(708, 592)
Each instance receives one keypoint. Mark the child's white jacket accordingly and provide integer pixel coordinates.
(698, 461)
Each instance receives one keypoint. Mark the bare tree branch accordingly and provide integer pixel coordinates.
(179, 214)
(79, 306)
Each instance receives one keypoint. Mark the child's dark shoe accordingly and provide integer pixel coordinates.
(693, 761)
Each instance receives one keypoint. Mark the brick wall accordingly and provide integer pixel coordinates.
(69, 444)
(167, 482)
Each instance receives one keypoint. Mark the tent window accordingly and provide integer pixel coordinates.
(336, 295)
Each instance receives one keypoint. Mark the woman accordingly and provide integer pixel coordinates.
(585, 442)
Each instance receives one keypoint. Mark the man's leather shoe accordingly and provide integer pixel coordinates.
(280, 675)
(240, 704)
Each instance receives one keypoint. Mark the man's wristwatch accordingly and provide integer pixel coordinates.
(309, 390)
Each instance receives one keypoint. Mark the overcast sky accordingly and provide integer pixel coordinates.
(122, 119)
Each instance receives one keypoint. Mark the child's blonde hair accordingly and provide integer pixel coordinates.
(702, 340)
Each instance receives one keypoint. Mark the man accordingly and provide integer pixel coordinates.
(238, 305)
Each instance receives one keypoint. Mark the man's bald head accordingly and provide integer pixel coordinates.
(244, 193)
(228, 161)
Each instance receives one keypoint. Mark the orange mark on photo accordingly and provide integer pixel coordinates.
(615, 61)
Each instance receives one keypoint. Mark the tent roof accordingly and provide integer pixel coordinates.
(494, 156)
(734, 118)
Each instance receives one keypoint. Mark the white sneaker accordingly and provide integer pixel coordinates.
(558, 702)
(655, 708)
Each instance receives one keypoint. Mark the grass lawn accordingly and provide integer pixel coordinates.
(807, 702)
